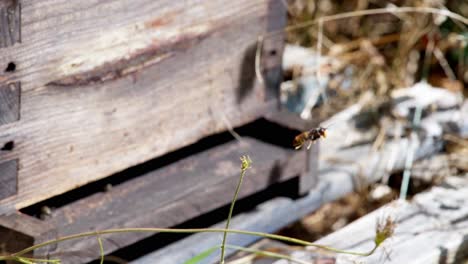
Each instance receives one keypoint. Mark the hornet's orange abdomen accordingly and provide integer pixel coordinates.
(300, 140)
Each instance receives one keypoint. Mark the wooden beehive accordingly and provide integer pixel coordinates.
(91, 88)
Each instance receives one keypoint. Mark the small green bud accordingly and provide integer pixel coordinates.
(384, 230)
(246, 162)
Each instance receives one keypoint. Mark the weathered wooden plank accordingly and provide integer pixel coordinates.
(110, 84)
(18, 231)
(71, 39)
(272, 50)
(8, 178)
(7, 149)
(297, 253)
(9, 102)
(168, 196)
(10, 22)
(432, 228)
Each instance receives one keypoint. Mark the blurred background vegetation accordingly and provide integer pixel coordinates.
(378, 53)
(370, 57)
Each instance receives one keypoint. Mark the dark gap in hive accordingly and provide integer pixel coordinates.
(8, 146)
(11, 67)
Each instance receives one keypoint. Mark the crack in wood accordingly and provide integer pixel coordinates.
(151, 55)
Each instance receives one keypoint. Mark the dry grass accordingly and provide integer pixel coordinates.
(385, 44)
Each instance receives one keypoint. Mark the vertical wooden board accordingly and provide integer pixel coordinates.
(9, 102)
(10, 21)
(22, 241)
(111, 85)
(10, 92)
(8, 178)
(19, 231)
(272, 49)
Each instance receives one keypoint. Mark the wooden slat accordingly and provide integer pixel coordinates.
(10, 22)
(8, 178)
(432, 228)
(297, 253)
(110, 84)
(272, 50)
(9, 102)
(18, 231)
(168, 196)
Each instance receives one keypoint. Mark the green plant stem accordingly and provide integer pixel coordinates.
(231, 209)
(101, 249)
(193, 230)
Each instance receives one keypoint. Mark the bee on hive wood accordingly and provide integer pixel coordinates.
(310, 136)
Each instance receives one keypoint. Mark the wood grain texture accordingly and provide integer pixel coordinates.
(8, 178)
(10, 22)
(106, 86)
(19, 231)
(432, 228)
(20, 228)
(272, 50)
(304, 254)
(9, 102)
(165, 197)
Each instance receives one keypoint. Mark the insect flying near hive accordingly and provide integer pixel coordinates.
(310, 136)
